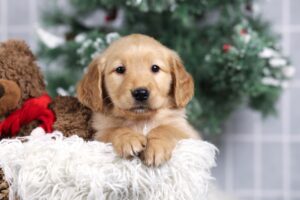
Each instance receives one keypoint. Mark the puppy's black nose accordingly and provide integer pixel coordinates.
(140, 94)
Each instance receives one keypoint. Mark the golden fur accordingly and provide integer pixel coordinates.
(153, 131)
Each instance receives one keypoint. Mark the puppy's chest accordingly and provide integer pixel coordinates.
(102, 123)
(143, 127)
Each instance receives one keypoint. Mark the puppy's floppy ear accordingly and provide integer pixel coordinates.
(183, 84)
(89, 89)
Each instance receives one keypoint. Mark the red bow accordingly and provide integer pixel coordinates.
(32, 109)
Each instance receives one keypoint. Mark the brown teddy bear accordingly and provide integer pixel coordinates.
(25, 104)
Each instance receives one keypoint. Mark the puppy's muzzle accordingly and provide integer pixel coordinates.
(140, 94)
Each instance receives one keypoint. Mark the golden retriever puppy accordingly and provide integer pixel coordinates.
(138, 90)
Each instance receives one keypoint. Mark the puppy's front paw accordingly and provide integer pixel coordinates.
(157, 152)
(129, 144)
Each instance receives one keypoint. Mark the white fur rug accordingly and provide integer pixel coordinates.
(51, 167)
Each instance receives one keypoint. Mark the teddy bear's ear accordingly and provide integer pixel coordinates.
(18, 47)
(89, 89)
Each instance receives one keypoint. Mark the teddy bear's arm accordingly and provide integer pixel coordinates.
(72, 118)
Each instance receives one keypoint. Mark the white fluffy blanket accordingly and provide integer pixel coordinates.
(52, 167)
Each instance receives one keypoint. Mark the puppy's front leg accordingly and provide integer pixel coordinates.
(125, 141)
(160, 143)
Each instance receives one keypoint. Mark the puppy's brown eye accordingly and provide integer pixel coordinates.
(155, 68)
(120, 70)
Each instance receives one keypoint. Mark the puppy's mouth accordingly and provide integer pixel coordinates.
(140, 109)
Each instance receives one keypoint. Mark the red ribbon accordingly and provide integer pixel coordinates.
(32, 109)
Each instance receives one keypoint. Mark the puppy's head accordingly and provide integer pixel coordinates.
(135, 77)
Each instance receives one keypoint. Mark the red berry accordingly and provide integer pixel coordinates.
(111, 15)
(226, 47)
(243, 32)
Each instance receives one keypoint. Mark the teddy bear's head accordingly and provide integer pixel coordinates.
(20, 77)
